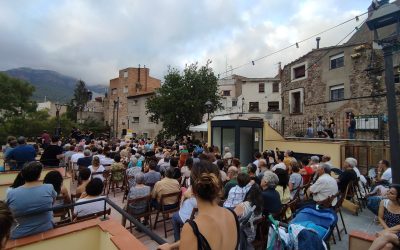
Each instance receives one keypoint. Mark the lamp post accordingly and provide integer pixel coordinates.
(115, 121)
(378, 22)
(242, 104)
(58, 128)
(208, 108)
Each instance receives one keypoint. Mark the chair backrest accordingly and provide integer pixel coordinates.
(176, 195)
(147, 199)
(262, 226)
(75, 218)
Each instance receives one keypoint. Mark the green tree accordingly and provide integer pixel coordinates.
(81, 96)
(180, 102)
(15, 97)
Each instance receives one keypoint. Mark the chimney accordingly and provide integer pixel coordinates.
(318, 39)
(146, 74)
(280, 70)
(139, 74)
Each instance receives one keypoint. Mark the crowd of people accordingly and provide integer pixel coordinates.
(223, 189)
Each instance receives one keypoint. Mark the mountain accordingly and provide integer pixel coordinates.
(50, 84)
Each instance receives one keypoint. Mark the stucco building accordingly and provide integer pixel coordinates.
(139, 123)
(249, 98)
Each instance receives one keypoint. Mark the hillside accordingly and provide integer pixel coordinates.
(51, 84)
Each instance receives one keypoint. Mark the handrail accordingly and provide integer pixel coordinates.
(133, 220)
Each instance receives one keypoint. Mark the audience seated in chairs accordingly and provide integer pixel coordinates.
(325, 186)
(185, 171)
(96, 167)
(84, 178)
(295, 181)
(6, 221)
(271, 199)
(179, 218)
(174, 165)
(389, 218)
(165, 186)
(33, 196)
(55, 178)
(93, 191)
(137, 191)
(86, 160)
(214, 227)
(238, 192)
(152, 177)
(283, 189)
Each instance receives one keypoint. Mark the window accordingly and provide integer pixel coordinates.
(125, 74)
(296, 98)
(226, 93)
(275, 87)
(273, 106)
(114, 91)
(397, 78)
(234, 103)
(261, 87)
(337, 61)
(135, 120)
(337, 92)
(299, 72)
(125, 90)
(253, 107)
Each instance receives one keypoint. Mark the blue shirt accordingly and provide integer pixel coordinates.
(23, 200)
(22, 154)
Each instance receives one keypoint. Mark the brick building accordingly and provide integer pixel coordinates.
(130, 82)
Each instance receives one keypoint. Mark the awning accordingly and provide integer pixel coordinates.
(199, 128)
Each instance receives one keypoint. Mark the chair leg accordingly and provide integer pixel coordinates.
(341, 217)
(156, 221)
(333, 238)
(338, 232)
(165, 226)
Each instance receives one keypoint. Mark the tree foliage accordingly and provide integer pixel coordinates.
(15, 97)
(180, 102)
(81, 96)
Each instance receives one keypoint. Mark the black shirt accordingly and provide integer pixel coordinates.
(84, 161)
(272, 201)
(344, 179)
(49, 156)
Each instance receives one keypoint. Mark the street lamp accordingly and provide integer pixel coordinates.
(58, 128)
(242, 104)
(115, 122)
(208, 108)
(378, 22)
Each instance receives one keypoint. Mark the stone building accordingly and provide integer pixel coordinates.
(335, 81)
(130, 82)
(94, 110)
(51, 108)
(249, 98)
(139, 123)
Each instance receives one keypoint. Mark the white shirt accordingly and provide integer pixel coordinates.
(362, 178)
(89, 208)
(100, 169)
(387, 175)
(324, 187)
(280, 165)
(75, 157)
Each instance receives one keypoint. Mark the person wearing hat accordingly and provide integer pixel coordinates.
(325, 186)
(21, 154)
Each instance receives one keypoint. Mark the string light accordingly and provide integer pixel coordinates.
(296, 44)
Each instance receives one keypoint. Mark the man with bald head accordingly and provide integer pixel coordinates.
(232, 176)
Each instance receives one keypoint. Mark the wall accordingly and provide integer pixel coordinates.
(137, 108)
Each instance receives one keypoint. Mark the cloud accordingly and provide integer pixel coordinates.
(92, 40)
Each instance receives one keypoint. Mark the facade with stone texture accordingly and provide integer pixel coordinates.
(130, 82)
(139, 123)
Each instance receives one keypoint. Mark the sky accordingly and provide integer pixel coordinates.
(92, 40)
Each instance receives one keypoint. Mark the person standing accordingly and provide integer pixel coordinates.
(52, 154)
(352, 127)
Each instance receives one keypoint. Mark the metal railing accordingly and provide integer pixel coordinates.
(128, 216)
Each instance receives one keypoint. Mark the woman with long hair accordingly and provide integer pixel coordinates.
(214, 227)
(389, 218)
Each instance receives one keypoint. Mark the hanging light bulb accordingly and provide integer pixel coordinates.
(297, 45)
(357, 18)
(252, 62)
